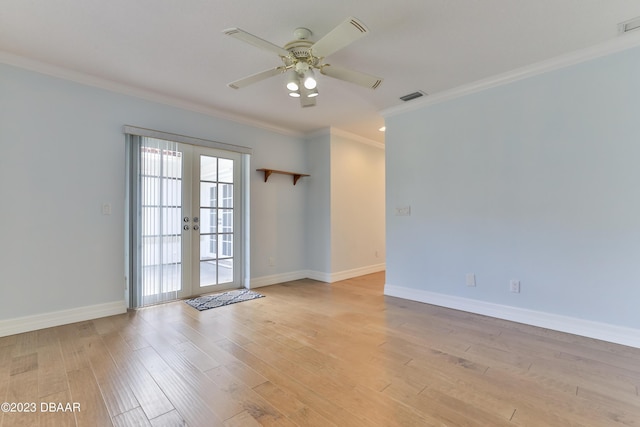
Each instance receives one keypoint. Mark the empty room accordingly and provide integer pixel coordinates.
(360, 213)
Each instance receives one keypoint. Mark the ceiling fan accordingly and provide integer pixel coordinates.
(301, 56)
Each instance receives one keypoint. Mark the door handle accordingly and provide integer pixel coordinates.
(185, 227)
(196, 227)
(195, 219)
(185, 219)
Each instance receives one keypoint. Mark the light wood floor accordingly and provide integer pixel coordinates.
(320, 355)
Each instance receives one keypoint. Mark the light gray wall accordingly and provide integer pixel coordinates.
(357, 204)
(318, 238)
(536, 180)
(346, 206)
(62, 156)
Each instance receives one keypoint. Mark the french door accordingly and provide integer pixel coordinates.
(187, 230)
(215, 202)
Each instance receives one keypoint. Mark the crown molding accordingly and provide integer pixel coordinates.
(124, 89)
(332, 131)
(619, 44)
(318, 132)
(354, 137)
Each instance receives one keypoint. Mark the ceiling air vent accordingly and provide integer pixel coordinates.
(630, 25)
(413, 95)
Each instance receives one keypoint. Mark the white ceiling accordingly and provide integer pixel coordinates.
(176, 48)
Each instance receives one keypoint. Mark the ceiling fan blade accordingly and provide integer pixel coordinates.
(347, 32)
(256, 41)
(255, 78)
(362, 79)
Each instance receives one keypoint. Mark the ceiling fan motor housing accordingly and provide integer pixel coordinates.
(300, 51)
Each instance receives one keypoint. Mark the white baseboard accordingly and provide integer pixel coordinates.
(346, 274)
(273, 279)
(360, 271)
(63, 317)
(586, 328)
(321, 276)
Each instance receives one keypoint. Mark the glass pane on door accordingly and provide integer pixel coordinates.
(216, 220)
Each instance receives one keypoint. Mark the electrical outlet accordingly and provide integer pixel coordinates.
(403, 211)
(471, 279)
(514, 286)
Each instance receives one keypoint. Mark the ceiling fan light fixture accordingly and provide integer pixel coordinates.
(293, 81)
(310, 80)
(301, 56)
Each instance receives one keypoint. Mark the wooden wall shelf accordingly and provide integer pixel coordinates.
(268, 172)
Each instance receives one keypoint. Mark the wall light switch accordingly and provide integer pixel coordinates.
(106, 209)
(471, 279)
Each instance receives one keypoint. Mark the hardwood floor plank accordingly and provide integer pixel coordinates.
(439, 408)
(283, 401)
(26, 343)
(243, 419)
(73, 347)
(288, 381)
(215, 398)
(114, 385)
(170, 419)
(208, 345)
(56, 418)
(22, 388)
(528, 394)
(25, 363)
(85, 391)
(52, 377)
(151, 398)
(135, 417)
(314, 354)
(624, 408)
(259, 409)
(196, 357)
(187, 401)
(6, 355)
(4, 386)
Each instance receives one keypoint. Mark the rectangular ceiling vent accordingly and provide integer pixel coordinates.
(413, 95)
(630, 25)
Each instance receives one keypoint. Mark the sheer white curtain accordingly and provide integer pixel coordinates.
(156, 169)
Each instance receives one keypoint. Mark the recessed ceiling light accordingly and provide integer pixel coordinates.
(382, 129)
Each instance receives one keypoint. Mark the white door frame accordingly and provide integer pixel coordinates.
(242, 157)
